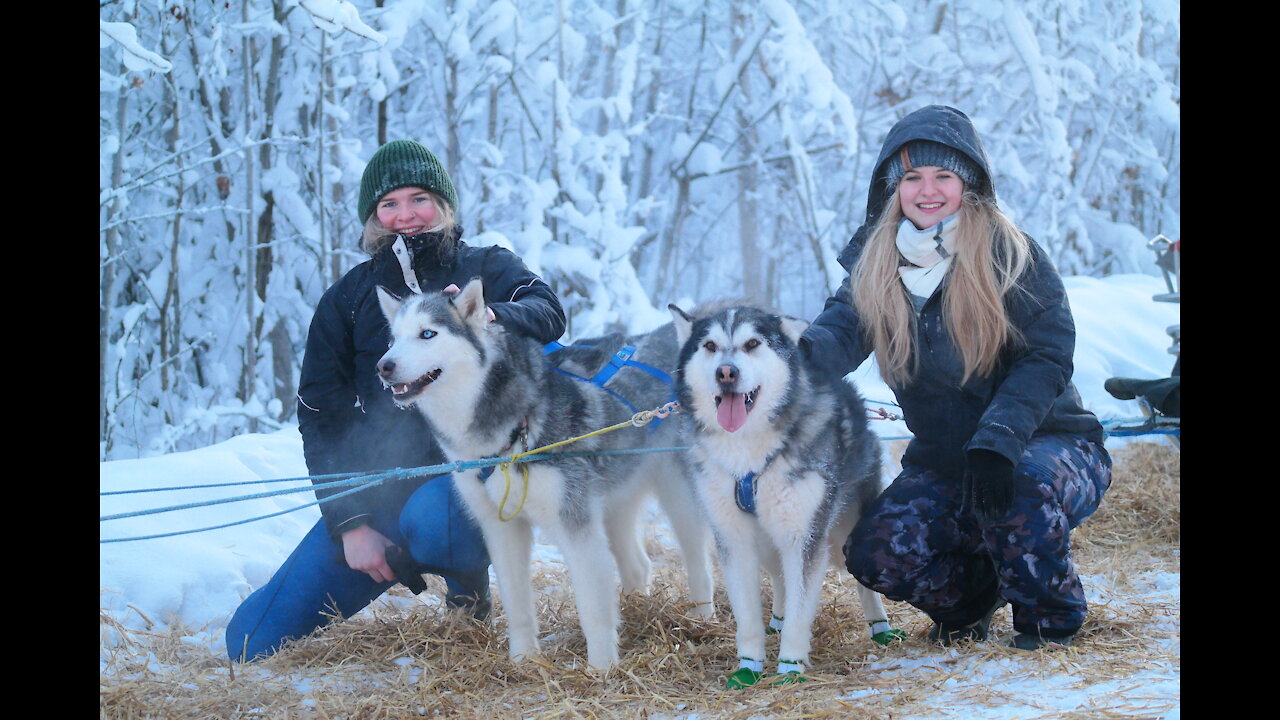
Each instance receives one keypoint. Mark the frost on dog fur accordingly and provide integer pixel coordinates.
(489, 393)
(768, 430)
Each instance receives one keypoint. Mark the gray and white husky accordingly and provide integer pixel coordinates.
(787, 462)
(490, 393)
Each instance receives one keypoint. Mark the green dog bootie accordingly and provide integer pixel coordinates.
(883, 634)
(889, 637)
(748, 673)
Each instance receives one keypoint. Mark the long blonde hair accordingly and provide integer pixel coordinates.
(375, 235)
(990, 256)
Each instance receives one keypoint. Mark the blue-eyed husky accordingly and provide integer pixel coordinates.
(489, 393)
(787, 462)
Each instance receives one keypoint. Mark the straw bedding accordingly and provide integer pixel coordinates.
(407, 657)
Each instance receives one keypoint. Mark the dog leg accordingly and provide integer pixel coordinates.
(789, 521)
(626, 542)
(802, 574)
(773, 568)
(511, 552)
(693, 536)
(740, 566)
(591, 570)
(873, 611)
(510, 546)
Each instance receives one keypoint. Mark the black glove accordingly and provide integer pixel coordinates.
(405, 568)
(988, 485)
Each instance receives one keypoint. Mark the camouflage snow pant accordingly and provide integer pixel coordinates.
(914, 544)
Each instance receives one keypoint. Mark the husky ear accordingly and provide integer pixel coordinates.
(390, 303)
(470, 302)
(683, 323)
(793, 327)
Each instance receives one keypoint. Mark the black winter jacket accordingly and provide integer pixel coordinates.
(347, 419)
(1029, 392)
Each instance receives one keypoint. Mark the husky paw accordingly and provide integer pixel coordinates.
(889, 637)
(702, 610)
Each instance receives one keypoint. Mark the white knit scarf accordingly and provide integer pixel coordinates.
(929, 251)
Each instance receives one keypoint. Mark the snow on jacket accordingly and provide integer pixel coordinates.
(346, 417)
(1029, 392)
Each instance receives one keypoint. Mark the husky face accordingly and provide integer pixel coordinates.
(437, 344)
(734, 363)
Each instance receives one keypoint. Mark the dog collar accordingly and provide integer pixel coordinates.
(521, 433)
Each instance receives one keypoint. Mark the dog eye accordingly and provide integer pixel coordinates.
(751, 344)
(428, 334)
(710, 346)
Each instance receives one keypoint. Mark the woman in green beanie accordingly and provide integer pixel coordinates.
(408, 208)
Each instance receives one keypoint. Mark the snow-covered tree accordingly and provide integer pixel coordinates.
(633, 152)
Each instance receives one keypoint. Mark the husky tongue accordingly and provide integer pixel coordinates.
(732, 412)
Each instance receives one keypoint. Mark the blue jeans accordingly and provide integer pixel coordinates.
(914, 544)
(315, 583)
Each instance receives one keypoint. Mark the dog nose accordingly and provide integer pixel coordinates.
(386, 367)
(727, 374)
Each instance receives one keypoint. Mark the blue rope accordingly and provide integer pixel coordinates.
(1127, 433)
(364, 480)
(233, 484)
(883, 402)
(355, 477)
(240, 522)
(367, 481)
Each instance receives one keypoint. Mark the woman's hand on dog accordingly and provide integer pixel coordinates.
(366, 550)
(454, 290)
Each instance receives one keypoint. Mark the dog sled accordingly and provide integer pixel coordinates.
(1159, 398)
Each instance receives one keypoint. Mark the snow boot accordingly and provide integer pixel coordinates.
(975, 631)
(476, 607)
(1027, 641)
(477, 602)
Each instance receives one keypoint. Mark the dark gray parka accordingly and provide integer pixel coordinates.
(1029, 392)
(347, 418)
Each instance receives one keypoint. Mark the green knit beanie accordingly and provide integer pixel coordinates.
(403, 163)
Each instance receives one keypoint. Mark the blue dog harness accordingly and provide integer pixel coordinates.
(744, 493)
(744, 489)
(620, 359)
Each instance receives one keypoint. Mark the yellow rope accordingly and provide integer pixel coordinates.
(523, 494)
(640, 419)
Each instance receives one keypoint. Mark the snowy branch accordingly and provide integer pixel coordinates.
(136, 57)
(334, 16)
